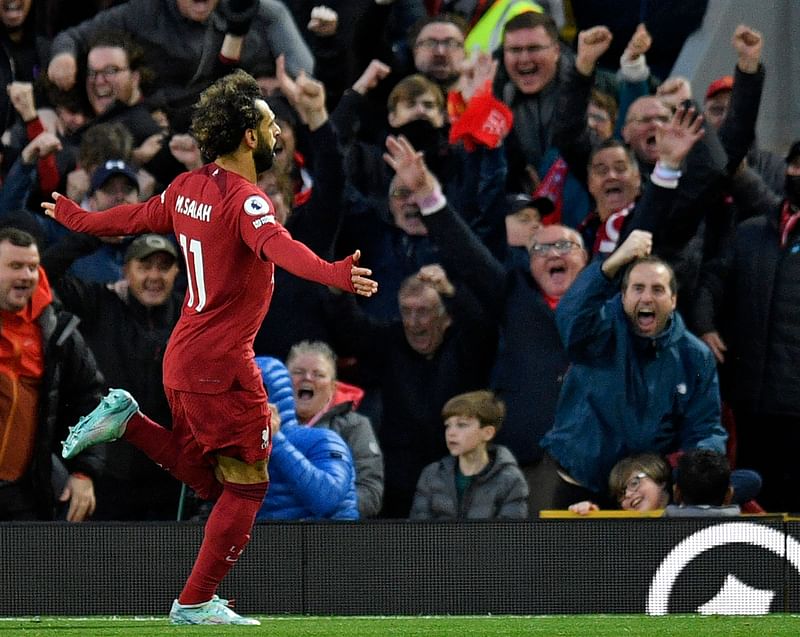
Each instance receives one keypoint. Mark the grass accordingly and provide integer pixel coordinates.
(566, 625)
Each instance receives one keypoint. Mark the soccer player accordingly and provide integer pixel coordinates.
(220, 441)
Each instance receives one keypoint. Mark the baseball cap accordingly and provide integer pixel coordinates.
(517, 201)
(147, 244)
(108, 169)
(794, 152)
(724, 83)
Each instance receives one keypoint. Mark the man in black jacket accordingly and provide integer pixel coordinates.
(48, 378)
(127, 326)
(758, 328)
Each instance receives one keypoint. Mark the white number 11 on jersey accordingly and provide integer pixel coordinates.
(194, 272)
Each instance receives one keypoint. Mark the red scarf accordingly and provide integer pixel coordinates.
(788, 222)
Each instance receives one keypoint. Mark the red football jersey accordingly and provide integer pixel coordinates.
(223, 224)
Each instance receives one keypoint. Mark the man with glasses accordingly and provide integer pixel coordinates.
(530, 362)
(183, 40)
(715, 109)
(532, 60)
(638, 380)
(438, 49)
(641, 123)
(114, 74)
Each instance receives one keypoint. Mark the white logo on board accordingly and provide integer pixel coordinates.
(735, 597)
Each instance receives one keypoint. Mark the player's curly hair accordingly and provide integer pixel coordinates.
(226, 109)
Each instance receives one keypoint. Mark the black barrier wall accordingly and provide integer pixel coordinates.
(746, 566)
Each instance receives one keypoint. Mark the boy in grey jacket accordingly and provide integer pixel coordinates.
(478, 480)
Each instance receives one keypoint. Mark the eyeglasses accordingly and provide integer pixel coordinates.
(562, 246)
(108, 72)
(533, 49)
(649, 119)
(401, 193)
(603, 170)
(632, 485)
(449, 44)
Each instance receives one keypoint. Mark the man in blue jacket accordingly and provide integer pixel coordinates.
(638, 381)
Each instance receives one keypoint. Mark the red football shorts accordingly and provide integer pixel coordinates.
(234, 423)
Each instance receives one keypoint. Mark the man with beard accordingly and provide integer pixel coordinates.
(220, 439)
(758, 322)
(438, 49)
(638, 379)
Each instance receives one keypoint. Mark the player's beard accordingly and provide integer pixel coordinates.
(263, 154)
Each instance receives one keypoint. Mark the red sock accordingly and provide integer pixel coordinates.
(226, 534)
(162, 446)
(155, 440)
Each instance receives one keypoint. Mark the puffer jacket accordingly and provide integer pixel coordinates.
(499, 492)
(311, 470)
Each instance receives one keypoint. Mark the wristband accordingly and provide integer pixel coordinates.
(634, 70)
(665, 176)
(80, 475)
(431, 202)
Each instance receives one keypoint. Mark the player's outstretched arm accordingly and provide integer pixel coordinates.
(122, 219)
(295, 257)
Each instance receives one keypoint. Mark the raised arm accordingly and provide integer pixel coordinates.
(317, 223)
(585, 316)
(460, 249)
(571, 134)
(70, 44)
(737, 131)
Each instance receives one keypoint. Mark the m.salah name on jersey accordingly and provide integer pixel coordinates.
(192, 208)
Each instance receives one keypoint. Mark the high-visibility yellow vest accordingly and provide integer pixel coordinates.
(487, 34)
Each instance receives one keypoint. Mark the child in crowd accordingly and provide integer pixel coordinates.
(637, 483)
(643, 483)
(478, 480)
(703, 486)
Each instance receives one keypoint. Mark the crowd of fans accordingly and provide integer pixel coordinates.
(585, 270)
